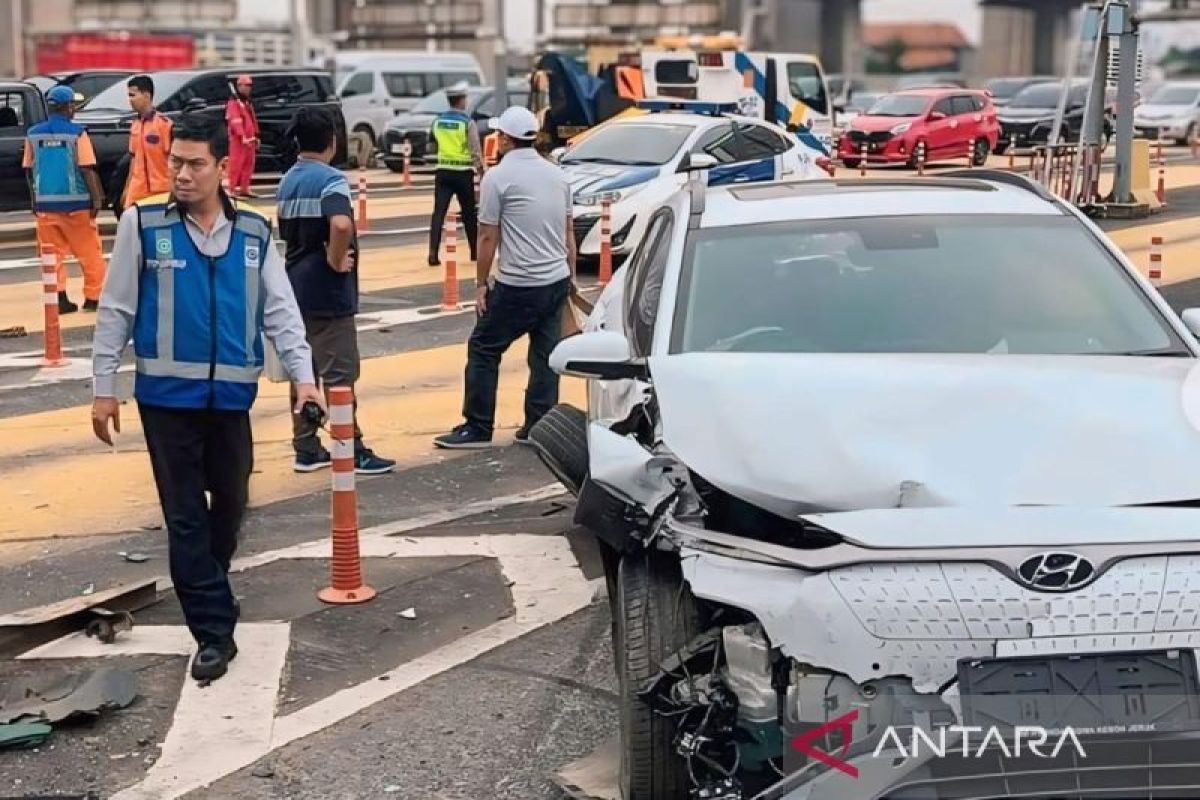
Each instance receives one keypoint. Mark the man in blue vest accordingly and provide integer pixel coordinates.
(455, 136)
(196, 281)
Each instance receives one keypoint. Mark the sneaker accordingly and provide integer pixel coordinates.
(522, 434)
(91, 305)
(367, 463)
(434, 261)
(212, 660)
(311, 462)
(65, 306)
(464, 437)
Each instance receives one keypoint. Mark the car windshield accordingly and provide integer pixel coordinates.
(899, 105)
(635, 145)
(1004, 88)
(1046, 95)
(914, 284)
(1174, 96)
(435, 103)
(116, 97)
(861, 102)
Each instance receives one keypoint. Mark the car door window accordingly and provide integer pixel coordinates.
(759, 142)
(212, 89)
(14, 113)
(804, 81)
(271, 89)
(451, 78)
(720, 143)
(944, 106)
(977, 103)
(360, 83)
(645, 283)
(962, 105)
(404, 84)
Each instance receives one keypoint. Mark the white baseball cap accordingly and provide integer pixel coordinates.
(460, 89)
(517, 122)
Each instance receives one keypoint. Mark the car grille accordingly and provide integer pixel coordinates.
(583, 226)
(878, 137)
(418, 139)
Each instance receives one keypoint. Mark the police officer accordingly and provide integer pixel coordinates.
(196, 281)
(456, 138)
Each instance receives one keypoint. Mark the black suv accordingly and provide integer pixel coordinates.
(21, 105)
(278, 92)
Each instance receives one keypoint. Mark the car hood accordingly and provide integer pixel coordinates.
(411, 122)
(1011, 114)
(1149, 111)
(798, 434)
(869, 124)
(591, 178)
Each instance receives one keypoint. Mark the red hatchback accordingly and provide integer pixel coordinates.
(928, 124)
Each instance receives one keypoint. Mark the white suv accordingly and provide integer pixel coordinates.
(874, 458)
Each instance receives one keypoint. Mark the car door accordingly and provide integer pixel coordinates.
(720, 142)
(357, 95)
(970, 122)
(19, 109)
(941, 127)
(276, 98)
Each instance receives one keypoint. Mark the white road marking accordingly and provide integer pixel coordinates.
(142, 640)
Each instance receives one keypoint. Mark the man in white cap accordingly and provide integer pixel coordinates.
(456, 138)
(525, 216)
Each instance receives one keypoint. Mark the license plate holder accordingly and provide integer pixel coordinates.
(1101, 692)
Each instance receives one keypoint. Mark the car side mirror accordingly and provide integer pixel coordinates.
(934, 116)
(598, 355)
(1191, 318)
(696, 162)
(195, 104)
(557, 153)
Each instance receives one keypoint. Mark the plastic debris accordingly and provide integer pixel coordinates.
(23, 734)
(409, 613)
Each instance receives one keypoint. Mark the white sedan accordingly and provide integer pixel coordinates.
(885, 475)
(634, 162)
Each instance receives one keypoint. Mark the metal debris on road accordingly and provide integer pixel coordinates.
(106, 624)
(134, 558)
(56, 698)
(408, 613)
(89, 589)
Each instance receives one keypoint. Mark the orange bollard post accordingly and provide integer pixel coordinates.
(862, 160)
(407, 176)
(1194, 143)
(970, 154)
(53, 356)
(606, 265)
(450, 276)
(363, 223)
(1012, 152)
(1156, 260)
(1161, 191)
(345, 565)
(921, 157)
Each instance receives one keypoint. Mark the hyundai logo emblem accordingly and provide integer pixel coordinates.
(1056, 572)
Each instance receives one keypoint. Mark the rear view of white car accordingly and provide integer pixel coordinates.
(637, 162)
(897, 490)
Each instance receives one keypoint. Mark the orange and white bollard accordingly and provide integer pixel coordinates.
(450, 276)
(1012, 153)
(1161, 191)
(970, 154)
(407, 176)
(921, 156)
(1156, 260)
(53, 352)
(345, 565)
(862, 160)
(364, 224)
(606, 265)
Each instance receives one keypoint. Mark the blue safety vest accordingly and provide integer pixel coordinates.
(198, 329)
(58, 183)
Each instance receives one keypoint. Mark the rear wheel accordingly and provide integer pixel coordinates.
(655, 617)
(979, 152)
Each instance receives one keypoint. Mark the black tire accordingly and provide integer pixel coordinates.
(1001, 148)
(1187, 136)
(560, 439)
(656, 616)
(980, 152)
(395, 166)
(851, 163)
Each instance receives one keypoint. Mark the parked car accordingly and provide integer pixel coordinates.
(1028, 118)
(858, 104)
(88, 83)
(1003, 90)
(414, 126)
(278, 92)
(22, 105)
(922, 125)
(931, 80)
(636, 162)
(377, 88)
(1171, 112)
(864, 458)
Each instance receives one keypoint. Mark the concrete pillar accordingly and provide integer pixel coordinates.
(1007, 46)
(1053, 37)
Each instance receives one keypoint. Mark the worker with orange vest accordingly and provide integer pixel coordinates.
(243, 137)
(149, 143)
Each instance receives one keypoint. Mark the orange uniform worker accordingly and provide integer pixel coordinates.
(243, 138)
(65, 187)
(149, 143)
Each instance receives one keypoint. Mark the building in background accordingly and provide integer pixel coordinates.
(900, 47)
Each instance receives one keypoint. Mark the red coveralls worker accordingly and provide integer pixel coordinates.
(243, 138)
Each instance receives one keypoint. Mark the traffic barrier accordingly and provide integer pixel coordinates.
(1156, 260)
(862, 161)
(345, 564)
(606, 265)
(450, 277)
(1012, 152)
(1161, 191)
(363, 223)
(53, 356)
(922, 156)
(970, 154)
(407, 174)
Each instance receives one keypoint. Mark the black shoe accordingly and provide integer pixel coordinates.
(367, 463)
(522, 434)
(311, 462)
(65, 306)
(91, 305)
(434, 261)
(212, 660)
(237, 608)
(464, 437)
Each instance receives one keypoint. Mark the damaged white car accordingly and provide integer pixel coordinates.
(888, 474)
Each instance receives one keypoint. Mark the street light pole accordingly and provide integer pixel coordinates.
(298, 28)
(18, 34)
(501, 53)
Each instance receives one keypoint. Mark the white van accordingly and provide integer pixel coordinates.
(787, 88)
(375, 85)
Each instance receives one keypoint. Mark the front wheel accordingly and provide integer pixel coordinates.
(656, 616)
(851, 163)
(1188, 136)
(979, 152)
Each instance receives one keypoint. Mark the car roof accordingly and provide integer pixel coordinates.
(12, 83)
(939, 91)
(784, 201)
(672, 118)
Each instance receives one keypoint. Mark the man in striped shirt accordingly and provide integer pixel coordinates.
(316, 222)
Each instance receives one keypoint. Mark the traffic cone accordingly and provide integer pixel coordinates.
(363, 223)
(53, 356)
(450, 276)
(345, 566)
(1156, 260)
(606, 265)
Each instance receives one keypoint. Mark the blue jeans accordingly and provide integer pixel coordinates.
(513, 312)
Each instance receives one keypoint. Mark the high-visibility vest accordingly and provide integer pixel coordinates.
(197, 332)
(450, 133)
(58, 182)
(491, 149)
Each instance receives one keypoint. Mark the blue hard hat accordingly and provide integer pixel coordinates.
(60, 96)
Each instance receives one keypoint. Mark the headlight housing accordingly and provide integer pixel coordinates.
(611, 195)
(903, 127)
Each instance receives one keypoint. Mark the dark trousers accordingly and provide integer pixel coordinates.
(334, 343)
(449, 183)
(193, 452)
(513, 312)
